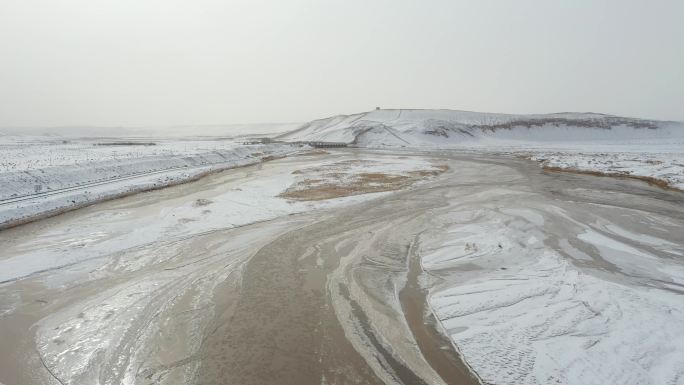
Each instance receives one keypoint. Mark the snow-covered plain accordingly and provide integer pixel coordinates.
(40, 175)
(155, 132)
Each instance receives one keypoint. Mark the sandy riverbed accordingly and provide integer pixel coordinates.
(224, 281)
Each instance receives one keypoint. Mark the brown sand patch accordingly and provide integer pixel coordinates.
(316, 189)
(340, 184)
(338, 166)
(648, 179)
(425, 173)
(272, 157)
(524, 156)
(313, 152)
(380, 178)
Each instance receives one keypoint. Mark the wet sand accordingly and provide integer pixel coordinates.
(321, 297)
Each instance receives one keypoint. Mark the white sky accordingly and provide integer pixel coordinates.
(167, 62)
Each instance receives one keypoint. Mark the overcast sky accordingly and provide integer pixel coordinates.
(167, 62)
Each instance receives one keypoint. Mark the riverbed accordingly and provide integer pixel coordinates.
(473, 269)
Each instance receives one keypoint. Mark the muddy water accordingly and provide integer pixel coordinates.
(300, 320)
(322, 297)
(435, 346)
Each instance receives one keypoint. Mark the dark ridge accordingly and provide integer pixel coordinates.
(607, 123)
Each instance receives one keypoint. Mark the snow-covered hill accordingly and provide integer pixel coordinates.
(447, 128)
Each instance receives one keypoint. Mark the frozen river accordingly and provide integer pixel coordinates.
(492, 271)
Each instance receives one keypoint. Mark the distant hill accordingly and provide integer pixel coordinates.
(449, 128)
(217, 130)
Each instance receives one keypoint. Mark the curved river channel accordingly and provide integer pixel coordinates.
(220, 281)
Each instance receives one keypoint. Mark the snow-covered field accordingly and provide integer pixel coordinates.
(663, 166)
(41, 175)
(27, 153)
(155, 132)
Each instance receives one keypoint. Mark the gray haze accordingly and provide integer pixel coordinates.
(171, 62)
